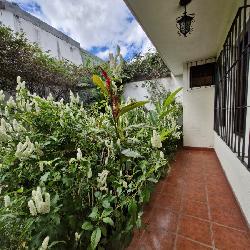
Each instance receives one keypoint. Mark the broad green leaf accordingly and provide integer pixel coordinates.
(166, 112)
(107, 212)
(108, 220)
(152, 180)
(171, 98)
(94, 214)
(87, 226)
(99, 83)
(130, 153)
(20, 190)
(55, 243)
(132, 106)
(106, 204)
(164, 134)
(95, 237)
(104, 231)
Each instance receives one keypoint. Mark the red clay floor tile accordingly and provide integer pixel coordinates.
(228, 217)
(195, 194)
(186, 244)
(163, 219)
(156, 239)
(226, 238)
(169, 201)
(195, 229)
(193, 208)
(175, 190)
(222, 201)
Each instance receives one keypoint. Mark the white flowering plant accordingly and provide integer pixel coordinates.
(75, 178)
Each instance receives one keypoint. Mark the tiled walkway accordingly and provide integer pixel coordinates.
(193, 208)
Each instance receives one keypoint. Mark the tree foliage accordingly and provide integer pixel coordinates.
(43, 73)
(145, 67)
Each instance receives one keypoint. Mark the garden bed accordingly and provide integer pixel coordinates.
(76, 178)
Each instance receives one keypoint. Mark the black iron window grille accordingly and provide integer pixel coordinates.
(232, 110)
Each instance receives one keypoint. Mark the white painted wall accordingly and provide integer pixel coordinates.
(198, 114)
(236, 173)
(138, 91)
(47, 41)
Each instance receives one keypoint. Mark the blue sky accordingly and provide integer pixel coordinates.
(99, 25)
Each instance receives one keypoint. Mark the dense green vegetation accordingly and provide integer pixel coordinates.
(43, 73)
(145, 67)
(73, 177)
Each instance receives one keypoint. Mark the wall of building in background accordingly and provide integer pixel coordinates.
(48, 38)
(139, 91)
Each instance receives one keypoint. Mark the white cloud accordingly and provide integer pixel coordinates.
(94, 23)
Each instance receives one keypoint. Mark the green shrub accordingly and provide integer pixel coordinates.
(145, 67)
(42, 72)
(72, 178)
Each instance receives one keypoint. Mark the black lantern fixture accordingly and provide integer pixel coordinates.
(184, 22)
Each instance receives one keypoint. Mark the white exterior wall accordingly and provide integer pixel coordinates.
(137, 91)
(198, 114)
(236, 173)
(48, 42)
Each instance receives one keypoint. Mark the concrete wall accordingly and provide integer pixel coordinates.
(139, 92)
(198, 113)
(49, 39)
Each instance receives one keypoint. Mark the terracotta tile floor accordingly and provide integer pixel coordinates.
(193, 208)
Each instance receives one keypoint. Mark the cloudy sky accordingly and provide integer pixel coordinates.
(99, 25)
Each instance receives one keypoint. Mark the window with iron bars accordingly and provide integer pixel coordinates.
(232, 110)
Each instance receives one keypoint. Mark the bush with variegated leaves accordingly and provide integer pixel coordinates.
(72, 178)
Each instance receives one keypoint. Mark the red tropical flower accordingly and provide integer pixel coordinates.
(107, 79)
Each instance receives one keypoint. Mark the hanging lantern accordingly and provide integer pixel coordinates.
(184, 23)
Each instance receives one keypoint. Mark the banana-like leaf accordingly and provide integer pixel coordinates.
(99, 83)
(132, 106)
(170, 98)
(166, 112)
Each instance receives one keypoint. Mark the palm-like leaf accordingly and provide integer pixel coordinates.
(170, 98)
(132, 106)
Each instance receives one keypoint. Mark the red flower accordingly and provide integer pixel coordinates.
(108, 80)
